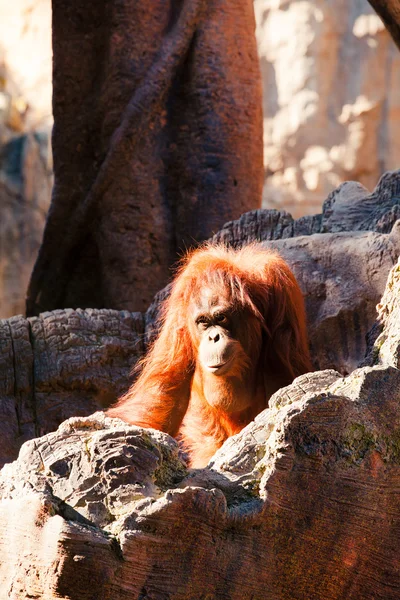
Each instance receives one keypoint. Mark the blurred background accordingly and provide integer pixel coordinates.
(331, 87)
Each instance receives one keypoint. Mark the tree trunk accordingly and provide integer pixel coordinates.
(389, 11)
(157, 142)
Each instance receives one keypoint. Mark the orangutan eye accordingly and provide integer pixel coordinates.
(221, 318)
(202, 322)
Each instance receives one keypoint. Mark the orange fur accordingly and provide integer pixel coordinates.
(170, 393)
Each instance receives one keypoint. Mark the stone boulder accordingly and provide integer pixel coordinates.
(25, 189)
(301, 504)
(331, 90)
(25, 156)
(26, 63)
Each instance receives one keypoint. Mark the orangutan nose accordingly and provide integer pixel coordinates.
(213, 336)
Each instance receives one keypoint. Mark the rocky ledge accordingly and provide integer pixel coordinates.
(303, 503)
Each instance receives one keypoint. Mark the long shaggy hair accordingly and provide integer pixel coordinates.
(260, 282)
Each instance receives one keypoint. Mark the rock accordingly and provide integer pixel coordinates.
(25, 156)
(26, 60)
(25, 190)
(302, 503)
(350, 207)
(342, 277)
(384, 338)
(331, 94)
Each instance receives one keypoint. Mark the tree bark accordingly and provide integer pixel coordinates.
(389, 11)
(157, 142)
(62, 364)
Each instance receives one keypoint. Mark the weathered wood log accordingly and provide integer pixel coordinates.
(303, 503)
(350, 207)
(62, 364)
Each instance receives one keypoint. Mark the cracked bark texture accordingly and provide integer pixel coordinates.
(74, 362)
(157, 142)
(303, 503)
(62, 364)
